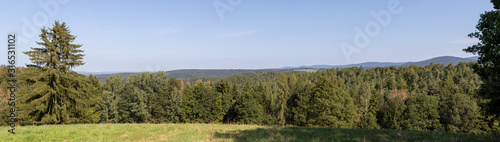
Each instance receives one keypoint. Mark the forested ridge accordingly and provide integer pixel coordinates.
(430, 98)
(462, 98)
(220, 73)
(196, 73)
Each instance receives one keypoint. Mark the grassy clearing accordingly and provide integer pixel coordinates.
(217, 132)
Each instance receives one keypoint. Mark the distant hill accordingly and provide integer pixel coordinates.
(195, 73)
(437, 60)
(474, 57)
(443, 60)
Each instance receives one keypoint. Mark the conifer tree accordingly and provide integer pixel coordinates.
(282, 98)
(331, 105)
(132, 106)
(391, 115)
(421, 113)
(462, 115)
(113, 88)
(223, 91)
(247, 108)
(188, 108)
(301, 110)
(59, 95)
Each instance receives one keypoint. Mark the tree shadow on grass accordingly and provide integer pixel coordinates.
(335, 134)
(290, 134)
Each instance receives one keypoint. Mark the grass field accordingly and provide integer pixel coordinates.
(217, 132)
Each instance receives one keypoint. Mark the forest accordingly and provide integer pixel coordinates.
(431, 98)
(462, 98)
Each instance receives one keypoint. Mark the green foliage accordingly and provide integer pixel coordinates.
(113, 87)
(247, 108)
(206, 109)
(389, 97)
(369, 120)
(461, 114)
(54, 93)
(406, 97)
(331, 105)
(225, 97)
(145, 97)
(132, 106)
(171, 103)
(188, 111)
(488, 49)
(301, 110)
(391, 115)
(496, 4)
(421, 113)
(283, 94)
(57, 52)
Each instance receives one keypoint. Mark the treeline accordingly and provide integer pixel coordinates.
(459, 98)
(431, 98)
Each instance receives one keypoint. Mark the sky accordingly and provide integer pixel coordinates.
(136, 36)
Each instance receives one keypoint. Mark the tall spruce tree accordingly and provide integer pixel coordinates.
(282, 98)
(59, 95)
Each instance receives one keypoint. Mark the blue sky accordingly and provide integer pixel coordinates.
(254, 34)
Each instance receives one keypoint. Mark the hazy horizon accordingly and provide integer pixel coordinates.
(154, 69)
(141, 36)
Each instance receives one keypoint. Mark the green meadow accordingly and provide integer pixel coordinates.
(218, 132)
